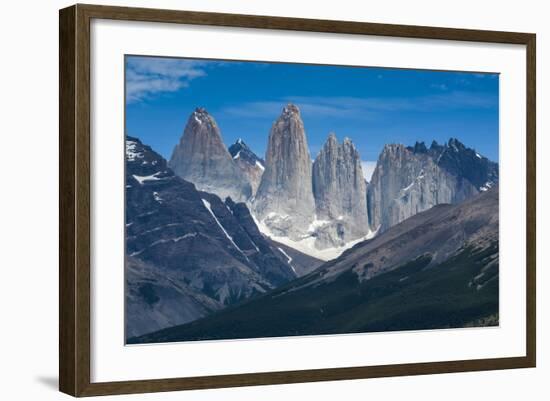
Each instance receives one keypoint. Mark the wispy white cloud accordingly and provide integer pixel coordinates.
(149, 76)
(367, 107)
(313, 106)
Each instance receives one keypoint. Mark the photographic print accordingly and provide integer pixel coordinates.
(267, 199)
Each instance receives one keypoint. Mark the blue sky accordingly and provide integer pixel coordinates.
(372, 106)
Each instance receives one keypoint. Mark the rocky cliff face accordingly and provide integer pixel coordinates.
(409, 180)
(284, 200)
(202, 158)
(250, 165)
(189, 248)
(340, 192)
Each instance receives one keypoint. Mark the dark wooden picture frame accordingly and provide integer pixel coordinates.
(74, 199)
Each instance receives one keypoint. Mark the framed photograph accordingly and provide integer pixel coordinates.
(250, 200)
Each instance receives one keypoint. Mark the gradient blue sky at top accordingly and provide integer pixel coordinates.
(372, 106)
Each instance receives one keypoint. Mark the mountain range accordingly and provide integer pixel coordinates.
(219, 235)
(438, 269)
(324, 206)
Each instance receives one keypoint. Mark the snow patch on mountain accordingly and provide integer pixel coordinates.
(163, 241)
(209, 207)
(485, 187)
(307, 243)
(131, 153)
(289, 259)
(157, 197)
(153, 177)
(316, 224)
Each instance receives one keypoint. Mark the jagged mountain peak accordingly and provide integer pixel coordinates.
(144, 160)
(202, 158)
(240, 149)
(452, 144)
(331, 138)
(456, 144)
(393, 148)
(201, 111)
(202, 123)
(290, 109)
(250, 164)
(200, 115)
(419, 147)
(348, 147)
(331, 144)
(465, 162)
